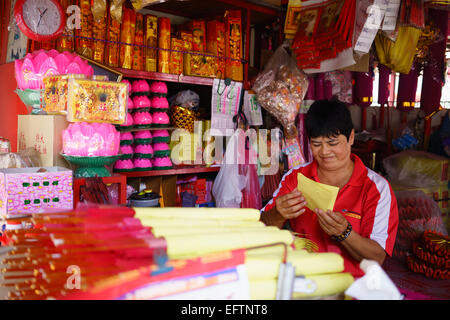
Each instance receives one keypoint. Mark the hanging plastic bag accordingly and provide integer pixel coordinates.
(251, 194)
(281, 88)
(227, 187)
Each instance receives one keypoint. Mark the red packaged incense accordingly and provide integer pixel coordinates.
(215, 44)
(113, 35)
(176, 56)
(65, 42)
(127, 32)
(163, 44)
(198, 29)
(233, 44)
(151, 43)
(84, 43)
(99, 14)
(138, 52)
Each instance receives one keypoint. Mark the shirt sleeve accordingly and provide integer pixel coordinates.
(380, 219)
(287, 184)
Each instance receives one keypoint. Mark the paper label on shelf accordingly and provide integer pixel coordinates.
(252, 109)
(225, 100)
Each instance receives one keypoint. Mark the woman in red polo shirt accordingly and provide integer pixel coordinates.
(363, 222)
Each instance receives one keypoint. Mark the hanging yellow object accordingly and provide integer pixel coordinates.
(398, 55)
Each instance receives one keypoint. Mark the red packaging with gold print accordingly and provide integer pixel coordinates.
(187, 40)
(164, 44)
(65, 42)
(198, 30)
(151, 42)
(176, 56)
(127, 33)
(138, 52)
(233, 44)
(84, 43)
(113, 35)
(99, 13)
(215, 44)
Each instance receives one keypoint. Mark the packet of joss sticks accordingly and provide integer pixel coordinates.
(97, 101)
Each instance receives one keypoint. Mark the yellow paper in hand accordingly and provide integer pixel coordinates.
(317, 195)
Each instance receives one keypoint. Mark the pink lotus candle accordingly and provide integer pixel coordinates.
(31, 70)
(91, 140)
(158, 88)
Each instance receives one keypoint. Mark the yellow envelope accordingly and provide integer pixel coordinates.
(317, 195)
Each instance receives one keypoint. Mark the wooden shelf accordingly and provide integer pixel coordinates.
(127, 73)
(180, 170)
(145, 129)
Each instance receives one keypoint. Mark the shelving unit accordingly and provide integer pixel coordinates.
(127, 73)
(176, 170)
(252, 14)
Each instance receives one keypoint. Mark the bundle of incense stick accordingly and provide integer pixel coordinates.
(68, 251)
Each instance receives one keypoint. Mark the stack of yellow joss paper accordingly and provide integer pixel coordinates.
(193, 232)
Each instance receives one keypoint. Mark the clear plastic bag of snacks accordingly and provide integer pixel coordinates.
(280, 89)
(97, 101)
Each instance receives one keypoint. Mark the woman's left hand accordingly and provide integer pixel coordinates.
(333, 223)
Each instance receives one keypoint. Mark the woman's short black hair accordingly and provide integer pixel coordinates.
(328, 118)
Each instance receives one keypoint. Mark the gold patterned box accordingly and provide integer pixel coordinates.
(200, 65)
(97, 101)
(54, 94)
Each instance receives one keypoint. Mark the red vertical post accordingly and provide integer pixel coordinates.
(247, 48)
(363, 118)
(5, 7)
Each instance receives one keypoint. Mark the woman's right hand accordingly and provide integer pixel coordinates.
(291, 205)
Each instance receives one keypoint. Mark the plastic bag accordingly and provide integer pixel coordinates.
(227, 187)
(251, 194)
(416, 169)
(417, 212)
(281, 88)
(186, 99)
(24, 159)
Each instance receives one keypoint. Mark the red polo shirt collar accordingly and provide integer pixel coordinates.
(359, 171)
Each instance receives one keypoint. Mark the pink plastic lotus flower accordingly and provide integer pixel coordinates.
(91, 140)
(39, 64)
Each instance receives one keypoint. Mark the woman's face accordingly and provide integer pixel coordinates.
(332, 153)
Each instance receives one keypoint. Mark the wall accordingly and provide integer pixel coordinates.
(10, 104)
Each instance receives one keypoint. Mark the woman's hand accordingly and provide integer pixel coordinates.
(333, 223)
(291, 205)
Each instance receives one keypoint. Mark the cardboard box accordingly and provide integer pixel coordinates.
(43, 133)
(27, 190)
